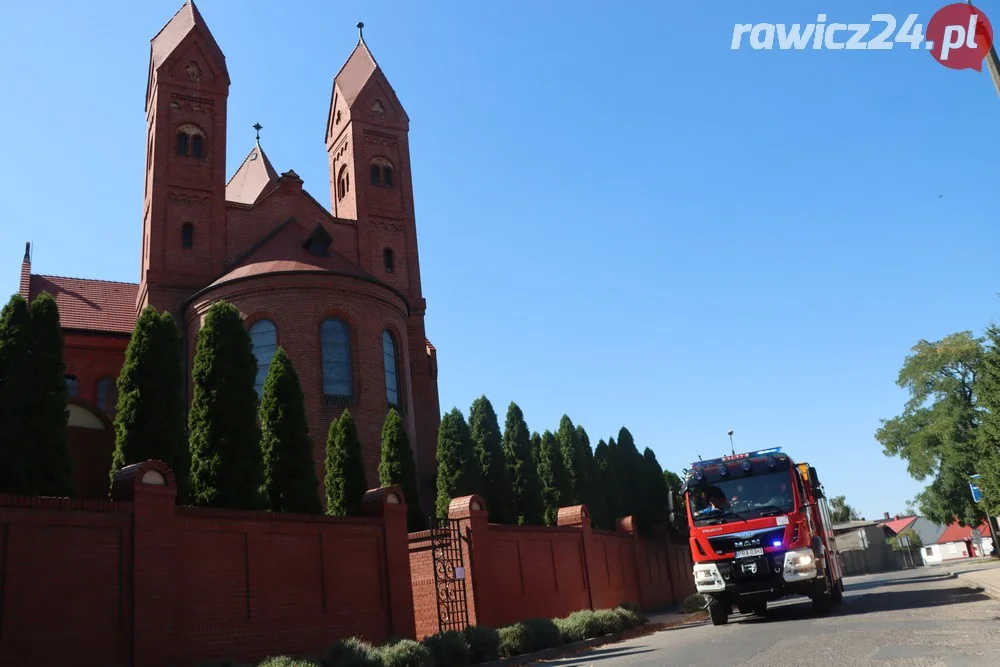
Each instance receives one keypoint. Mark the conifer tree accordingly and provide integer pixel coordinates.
(536, 448)
(522, 469)
(656, 489)
(484, 430)
(52, 465)
(289, 469)
(607, 483)
(593, 497)
(346, 483)
(398, 468)
(555, 480)
(630, 475)
(15, 374)
(458, 471)
(150, 415)
(617, 499)
(573, 459)
(222, 423)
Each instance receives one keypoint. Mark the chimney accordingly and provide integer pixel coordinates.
(25, 271)
(885, 515)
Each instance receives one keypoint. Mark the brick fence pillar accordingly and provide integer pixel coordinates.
(626, 524)
(577, 516)
(471, 514)
(389, 503)
(151, 489)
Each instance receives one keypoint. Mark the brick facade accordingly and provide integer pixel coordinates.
(263, 242)
(137, 581)
(513, 573)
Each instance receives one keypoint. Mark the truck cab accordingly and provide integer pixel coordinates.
(760, 530)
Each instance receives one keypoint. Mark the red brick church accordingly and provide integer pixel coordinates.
(338, 290)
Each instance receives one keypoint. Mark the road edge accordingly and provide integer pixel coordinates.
(971, 582)
(576, 648)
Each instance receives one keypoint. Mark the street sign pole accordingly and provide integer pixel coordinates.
(977, 496)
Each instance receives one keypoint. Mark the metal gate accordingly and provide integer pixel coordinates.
(449, 574)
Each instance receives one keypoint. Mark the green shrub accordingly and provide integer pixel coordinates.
(484, 643)
(578, 626)
(404, 653)
(630, 619)
(694, 602)
(448, 648)
(609, 621)
(515, 639)
(545, 633)
(287, 661)
(353, 652)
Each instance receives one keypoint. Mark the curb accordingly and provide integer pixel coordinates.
(988, 589)
(567, 650)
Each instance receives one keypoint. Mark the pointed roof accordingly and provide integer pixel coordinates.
(253, 177)
(356, 72)
(187, 20)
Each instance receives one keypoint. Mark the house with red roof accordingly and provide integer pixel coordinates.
(960, 542)
(339, 290)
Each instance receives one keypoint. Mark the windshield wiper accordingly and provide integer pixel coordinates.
(771, 510)
(736, 514)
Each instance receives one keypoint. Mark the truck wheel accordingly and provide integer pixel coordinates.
(718, 609)
(838, 592)
(822, 599)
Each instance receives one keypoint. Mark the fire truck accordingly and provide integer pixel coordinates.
(760, 530)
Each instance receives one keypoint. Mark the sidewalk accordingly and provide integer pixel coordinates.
(986, 578)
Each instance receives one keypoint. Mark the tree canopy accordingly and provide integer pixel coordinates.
(841, 512)
(936, 433)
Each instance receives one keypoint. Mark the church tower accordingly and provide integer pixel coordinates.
(368, 146)
(184, 208)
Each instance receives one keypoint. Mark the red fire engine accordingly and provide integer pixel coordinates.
(760, 530)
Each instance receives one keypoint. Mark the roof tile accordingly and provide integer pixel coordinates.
(90, 305)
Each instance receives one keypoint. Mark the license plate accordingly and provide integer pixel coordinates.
(748, 553)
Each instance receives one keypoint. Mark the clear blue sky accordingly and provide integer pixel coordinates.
(619, 218)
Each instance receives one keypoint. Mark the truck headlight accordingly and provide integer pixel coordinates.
(800, 564)
(707, 578)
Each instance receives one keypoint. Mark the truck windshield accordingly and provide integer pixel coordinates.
(740, 495)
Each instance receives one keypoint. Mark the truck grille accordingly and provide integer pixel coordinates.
(727, 544)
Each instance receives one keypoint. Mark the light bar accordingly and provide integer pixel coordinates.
(735, 457)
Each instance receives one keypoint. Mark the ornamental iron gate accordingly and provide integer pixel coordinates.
(449, 574)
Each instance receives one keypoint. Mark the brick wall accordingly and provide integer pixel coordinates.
(138, 581)
(519, 572)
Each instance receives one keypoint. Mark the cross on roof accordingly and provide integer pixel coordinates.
(258, 127)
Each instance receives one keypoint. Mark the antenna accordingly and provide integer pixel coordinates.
(731, 447)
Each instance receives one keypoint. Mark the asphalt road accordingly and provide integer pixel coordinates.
(909, 618)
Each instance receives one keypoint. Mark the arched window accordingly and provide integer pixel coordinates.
(381, 172)
(391, 368)
(187, 235)
(190, 141)
(335, 344)
(389, 260)
(343, 183)
(264, 338)
(71, 386)
(107, 396)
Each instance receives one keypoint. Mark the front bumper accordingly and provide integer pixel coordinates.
(771, 572)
